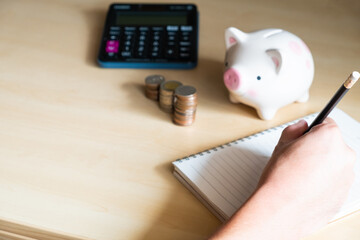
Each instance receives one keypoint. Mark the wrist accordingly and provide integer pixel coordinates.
(266, 215)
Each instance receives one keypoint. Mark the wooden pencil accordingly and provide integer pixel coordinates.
(354, 76)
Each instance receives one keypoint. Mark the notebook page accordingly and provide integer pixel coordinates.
(227, 175)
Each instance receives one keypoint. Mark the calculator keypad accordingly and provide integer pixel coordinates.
(144, 43)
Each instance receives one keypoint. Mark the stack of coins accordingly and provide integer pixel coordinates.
(166, 97)
(185, 103)
(152, 85)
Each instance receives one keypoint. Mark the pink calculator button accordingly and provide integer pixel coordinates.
(112, 46)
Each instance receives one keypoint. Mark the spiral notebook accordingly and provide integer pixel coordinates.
(223, 178)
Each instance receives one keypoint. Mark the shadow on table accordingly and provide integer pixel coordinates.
(183, 216)
(138, 102)
(207, 78)
(212, 93)
(95, 19)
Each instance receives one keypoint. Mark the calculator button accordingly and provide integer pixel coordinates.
(172, 28)
(111, 54)
(112, 43)
(143, 29)
(141, 53)
(185, 49)
(129, 37)
(184, 55)
(115, 28)
(157, 29)
(114, 33)
(127, 33)
(127, 48)
(112, 49)
(127, 43)
(112, 46)
(157, 33)
(185, 43)
(126, 54)
(130, 28)
(154, 54)
(141, 49)
(155, 51)
(171, 38)
(170, 52)
(185, 33)
(186, 28)
(185, 38)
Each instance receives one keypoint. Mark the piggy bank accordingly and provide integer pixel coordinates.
(267, 69)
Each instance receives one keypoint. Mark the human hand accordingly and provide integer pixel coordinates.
(304, 184)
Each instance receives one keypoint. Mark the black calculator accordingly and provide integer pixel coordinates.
(150, 36)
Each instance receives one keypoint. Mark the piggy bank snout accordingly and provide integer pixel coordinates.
(232, 79)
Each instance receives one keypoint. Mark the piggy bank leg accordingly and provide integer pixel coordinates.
(232, 98)
(303, 98)
(267, 113)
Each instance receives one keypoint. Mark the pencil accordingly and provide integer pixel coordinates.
(354, 76)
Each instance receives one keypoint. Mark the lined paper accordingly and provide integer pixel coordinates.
(227, 175)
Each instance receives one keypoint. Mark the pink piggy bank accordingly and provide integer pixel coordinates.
(267, 69)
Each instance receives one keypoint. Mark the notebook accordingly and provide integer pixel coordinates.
(223, 178)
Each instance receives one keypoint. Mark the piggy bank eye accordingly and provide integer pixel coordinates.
(258, 78)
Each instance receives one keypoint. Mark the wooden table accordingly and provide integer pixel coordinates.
(84, 155)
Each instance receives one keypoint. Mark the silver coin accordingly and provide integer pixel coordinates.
(154, 79)
(185, 91)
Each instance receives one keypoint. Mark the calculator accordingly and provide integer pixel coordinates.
(163, 36)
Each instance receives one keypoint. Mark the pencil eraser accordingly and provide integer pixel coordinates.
(355, 75)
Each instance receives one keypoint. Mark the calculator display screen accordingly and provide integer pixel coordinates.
(151, 18)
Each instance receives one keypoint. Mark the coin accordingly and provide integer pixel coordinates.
(185, 104)
(166, 96)
(170, 85)
(154, 81)
(152, 85)
(185, 91)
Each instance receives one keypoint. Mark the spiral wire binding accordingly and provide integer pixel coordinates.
(229, 144)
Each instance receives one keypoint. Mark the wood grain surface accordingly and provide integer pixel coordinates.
(83, 153)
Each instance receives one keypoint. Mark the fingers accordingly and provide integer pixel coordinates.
(327, 127)
(293, 132)
(328, 131)
(329, 120)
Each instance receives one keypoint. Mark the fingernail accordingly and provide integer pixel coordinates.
(302, 121)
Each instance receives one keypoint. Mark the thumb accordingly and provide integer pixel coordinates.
(294, 131)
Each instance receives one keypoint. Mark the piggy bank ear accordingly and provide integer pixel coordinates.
(233, 36)
(276, 58)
